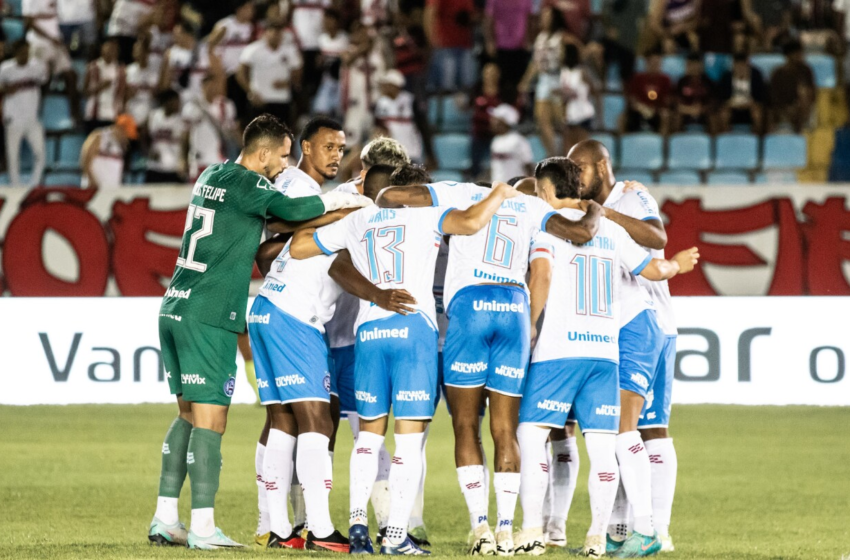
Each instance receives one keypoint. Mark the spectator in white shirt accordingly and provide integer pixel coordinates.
(229, 38)
(210, 127)
(127, 19)
(332, 43)
(510, 151)
(166, 128)
(268, 70)
(103, 152)
(307, 16)
(142, 80)
(21, 79)
(104, 86)
(78, 24)
(394, 113)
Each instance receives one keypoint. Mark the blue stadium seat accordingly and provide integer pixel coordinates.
(14, 30)
(613, 81)
(681, 177)
(823, 67)
(767, 63)
(728, 178)
(62, 179)
(639, 175)
(784, 151)
(15, 7)
(672, 64)
(68, 156)
(610, 142)
(689, 151)
(445, 115)
(444, 175)
(452, 151)
(56, 113)
(613, 105)
(4, 179)
(537, 149)
(51, 151)
(434, 110)
(776, 177)
(643, 150)
(716, 64)
(736, 151)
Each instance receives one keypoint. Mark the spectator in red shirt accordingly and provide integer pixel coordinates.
(448, 27)
(506, 28)
(487, 97)
(648, 98)
(695, 96)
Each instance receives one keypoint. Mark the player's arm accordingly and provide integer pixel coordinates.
(649, 233)
(664, 269)
(474, 218)
(309, 207)
(268, 252)
(349, 279)
(304, 244)
(276, 225)
(413, 196)
(580, 231)
(87, 153)
(539, 282)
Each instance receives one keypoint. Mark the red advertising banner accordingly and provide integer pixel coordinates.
(754, 240)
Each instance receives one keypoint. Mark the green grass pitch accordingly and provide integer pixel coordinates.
(754, 483)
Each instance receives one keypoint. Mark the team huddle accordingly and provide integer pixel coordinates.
(545, 301)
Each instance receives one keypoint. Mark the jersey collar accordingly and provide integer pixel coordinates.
(616, 194)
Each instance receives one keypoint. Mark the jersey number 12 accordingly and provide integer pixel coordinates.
(593, 285)
(207, 216)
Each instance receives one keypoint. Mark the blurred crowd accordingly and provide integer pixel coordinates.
(171, 83)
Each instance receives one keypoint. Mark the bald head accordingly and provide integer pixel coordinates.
(592, 150)
(596, 177)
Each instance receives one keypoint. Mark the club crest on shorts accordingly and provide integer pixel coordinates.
(326, 382)
(229, 386)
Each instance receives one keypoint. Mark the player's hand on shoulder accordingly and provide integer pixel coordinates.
(335, 200)
(505, 190)
(397, 301)
(687, 259)
(632, 186)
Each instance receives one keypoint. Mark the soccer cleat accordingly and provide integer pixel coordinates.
(666, 543)
(167, 535)
(594, 546)
(334, 542)
(293, 541)
(483, 541)
(530, 542)
(639, 545)
(612, 545)
(556, 537)
(301, 531)
(262, 540)
(504, 543)
(419, 536)
(215, 541)
(406, 548)
(359, 541)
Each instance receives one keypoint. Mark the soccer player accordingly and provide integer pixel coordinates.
(395, 355)
(574, 364)
(492, 315)
(647, 358)
(204, 309)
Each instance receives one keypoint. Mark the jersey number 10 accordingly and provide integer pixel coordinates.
(593, 283)
(207, 216)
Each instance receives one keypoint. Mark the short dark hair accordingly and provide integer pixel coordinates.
(792, 47)
(167, 95)
(313, 125)
(741, 56)
(410, 174)
(694, 56)
(334, 14)
(563, 173)
(265, 128)
(377, 179)
(514, 180)
(20, 44)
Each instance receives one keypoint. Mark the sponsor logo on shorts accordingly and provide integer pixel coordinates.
(326, 382)
(650, 396)
(170, 316)
(512, 372)
(412, 396)
(190, 458)
(192, 379)
(376, 334)
(261, 319)
(463, 367)
(273, 286)
(500, 307)
(262, 384)
(287, 380)
(650, 416)
(640, 380)
(575, 336)
(554, 406)
(608, 410)
(229, 386)
(180, 294)
(365, 397)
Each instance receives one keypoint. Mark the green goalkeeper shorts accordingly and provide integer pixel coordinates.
(199, 360)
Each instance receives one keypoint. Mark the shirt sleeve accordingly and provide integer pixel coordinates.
(247, 56)
(449, 193)
(640, 205)
(539, 211)
(542, 247)
(633, 256)
(191, 113)
(264, 200)
(438, 216)
(334, 237)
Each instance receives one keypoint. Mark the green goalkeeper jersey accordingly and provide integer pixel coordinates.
(221, 237)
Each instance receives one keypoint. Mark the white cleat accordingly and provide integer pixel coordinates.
(483, 541)
(504, 543)
(214, 542)
(530, 542)
(556, 536)
(594, 546)
(666, 543)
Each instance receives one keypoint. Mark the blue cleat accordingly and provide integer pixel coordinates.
(612, 545)
(405, 548)
(359, 541)
(639, 545)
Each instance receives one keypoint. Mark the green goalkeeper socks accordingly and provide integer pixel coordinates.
(174, 458)
(204, 462)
